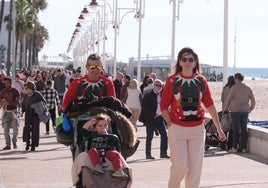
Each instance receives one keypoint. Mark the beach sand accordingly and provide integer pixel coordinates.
(260, 91)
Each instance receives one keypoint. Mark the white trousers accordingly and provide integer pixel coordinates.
(186, 155)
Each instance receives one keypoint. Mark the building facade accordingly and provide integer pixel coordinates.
(161, 65)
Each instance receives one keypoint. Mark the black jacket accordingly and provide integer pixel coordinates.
(148, 107)
(117, 87)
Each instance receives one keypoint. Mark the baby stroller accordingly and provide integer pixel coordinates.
(212, 139)
(82, 168)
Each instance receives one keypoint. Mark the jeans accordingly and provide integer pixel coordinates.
(159, 124)
(239, 123)
(10, 120)
(53, 118)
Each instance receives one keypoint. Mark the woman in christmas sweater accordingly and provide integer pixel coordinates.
(183, 94)
(94, 83)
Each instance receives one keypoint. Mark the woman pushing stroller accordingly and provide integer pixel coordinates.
(103, 144)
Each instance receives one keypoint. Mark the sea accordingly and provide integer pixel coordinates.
(250, 73)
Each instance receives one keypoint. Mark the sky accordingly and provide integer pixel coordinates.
(200, 26)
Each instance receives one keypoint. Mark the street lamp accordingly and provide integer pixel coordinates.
(225, 41)
(117, 19)
(175, 15)
(103, 21)
(80, 40)
(139, 15)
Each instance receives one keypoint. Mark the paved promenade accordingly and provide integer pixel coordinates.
(50, 166)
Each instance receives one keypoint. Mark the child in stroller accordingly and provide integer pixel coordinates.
(83, 168)
(102, 144)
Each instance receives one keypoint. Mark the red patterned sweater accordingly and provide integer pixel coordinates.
(184, 96)
(82, 86)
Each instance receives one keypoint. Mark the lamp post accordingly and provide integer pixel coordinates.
(175, 15)
(103, 21)
(80, 39)
(225, 42)
(117, 19)
(140, 15)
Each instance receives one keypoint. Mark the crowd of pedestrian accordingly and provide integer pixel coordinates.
(170, 108)
(17, 97)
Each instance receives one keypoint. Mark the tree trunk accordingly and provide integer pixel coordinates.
(21, 55)
(2, 14)
(29, 47)
(8, 65)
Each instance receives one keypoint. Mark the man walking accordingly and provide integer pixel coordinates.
(240, 102)
(10, 101)
(52, 98)
(151, 115)
(59, 84)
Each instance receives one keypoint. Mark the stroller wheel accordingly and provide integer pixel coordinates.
(223, 146)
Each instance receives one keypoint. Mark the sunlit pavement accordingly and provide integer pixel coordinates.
(50, 166)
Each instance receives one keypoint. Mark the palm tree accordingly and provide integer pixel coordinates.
(2, 13)
(40, 36)
(33, 51)
(38, 4)
(29, 31)
(25, 19)
(10, 28)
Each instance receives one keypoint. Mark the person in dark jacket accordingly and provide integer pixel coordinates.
(31, 129)
(118, 84)
(59, 84)
(123, 92)
(152, 117)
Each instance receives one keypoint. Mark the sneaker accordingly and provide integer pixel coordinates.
(164, 156)
(15, 146)
(47, 133)
(244, 150)
(6, 148)
(149, 157)
(233, 150)
(98, 170)
(120, 174)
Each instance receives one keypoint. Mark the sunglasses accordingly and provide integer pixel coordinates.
(93, 67)
(158, 85)
(184, 59)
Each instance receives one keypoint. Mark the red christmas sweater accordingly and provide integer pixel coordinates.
(182, 97)
(80, 87)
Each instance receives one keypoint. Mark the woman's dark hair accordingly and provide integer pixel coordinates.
(230, 82)
(150, 81)
(144, 82)
(145, 78)
(49, 83)
(239, 76)
(187, 50)
(127, 77)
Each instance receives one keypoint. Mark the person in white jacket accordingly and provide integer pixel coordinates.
(134, 97)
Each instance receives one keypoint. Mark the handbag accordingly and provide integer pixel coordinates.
(226, 122)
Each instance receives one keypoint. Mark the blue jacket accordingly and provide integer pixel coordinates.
(41, 109)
